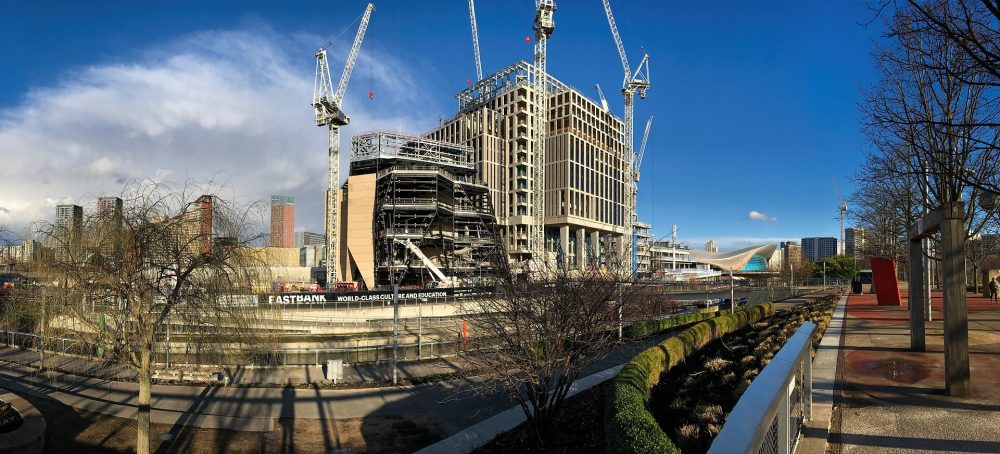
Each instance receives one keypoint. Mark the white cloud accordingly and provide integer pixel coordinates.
(758, 216)
(222, 105)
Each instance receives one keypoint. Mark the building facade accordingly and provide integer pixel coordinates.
(644, 237)
(710, 246)
(309, 239)
(110, 209)
(816, 248)
(312, 255)
(791, 254)
(854, 241)
(282, 221)
(68, 231)
(586, 165)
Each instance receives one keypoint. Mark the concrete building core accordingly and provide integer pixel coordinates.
(586, 165)
(415, 213)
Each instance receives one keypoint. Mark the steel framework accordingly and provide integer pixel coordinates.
(428, 196)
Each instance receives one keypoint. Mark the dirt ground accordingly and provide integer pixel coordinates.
(70, 430)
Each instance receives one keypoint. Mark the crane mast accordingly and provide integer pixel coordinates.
(327, 104)
(543, 27)
(475, 40)
(632, 84)
(842, 205)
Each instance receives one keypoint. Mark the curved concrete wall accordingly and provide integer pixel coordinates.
(30, 437)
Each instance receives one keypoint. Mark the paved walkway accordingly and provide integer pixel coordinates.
(892, 400)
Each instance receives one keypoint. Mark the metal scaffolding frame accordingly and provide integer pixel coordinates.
(427, 193)
(503, 81)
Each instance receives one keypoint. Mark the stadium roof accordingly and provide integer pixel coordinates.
(732, 260)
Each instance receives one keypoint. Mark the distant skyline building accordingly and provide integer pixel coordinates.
(854, 241)
(196, 224)
(816, 248)
(791, 253)
(69, 228)
(308, 239)
(109, 212)
(107, 206)
(109, 224)
(312, 255)
(282, 221)
(710, 246)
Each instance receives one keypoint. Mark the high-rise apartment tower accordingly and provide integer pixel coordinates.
(282, 221)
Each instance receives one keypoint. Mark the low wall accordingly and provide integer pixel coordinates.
(30, 437)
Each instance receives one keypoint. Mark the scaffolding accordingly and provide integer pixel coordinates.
(428, 195)
(503, 81)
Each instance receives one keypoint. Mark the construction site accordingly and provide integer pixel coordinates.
(415, 214)
(528, 168)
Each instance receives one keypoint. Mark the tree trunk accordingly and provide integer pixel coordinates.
(145, 395)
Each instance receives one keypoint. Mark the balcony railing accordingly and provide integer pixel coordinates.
(774, 409)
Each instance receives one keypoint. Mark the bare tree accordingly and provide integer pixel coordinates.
(932, 124)
(166, 256)
(885, 205)
(543, 330)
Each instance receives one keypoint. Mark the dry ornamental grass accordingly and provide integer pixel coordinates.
(692, 401)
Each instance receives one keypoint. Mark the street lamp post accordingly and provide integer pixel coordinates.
(824, 273)
(732, 293)
(791, 280)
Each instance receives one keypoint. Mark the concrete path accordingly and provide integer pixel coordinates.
(824, 375)
(892, 400)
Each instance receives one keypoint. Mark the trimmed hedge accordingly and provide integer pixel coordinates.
(629, 427)
(647, 327)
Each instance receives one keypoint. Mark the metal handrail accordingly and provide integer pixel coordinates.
(766, 401)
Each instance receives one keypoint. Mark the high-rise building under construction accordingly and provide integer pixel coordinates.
(414, 213)
(586, 165)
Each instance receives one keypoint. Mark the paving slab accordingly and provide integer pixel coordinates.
(892, 400)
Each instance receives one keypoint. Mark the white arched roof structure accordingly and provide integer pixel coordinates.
(733, 260)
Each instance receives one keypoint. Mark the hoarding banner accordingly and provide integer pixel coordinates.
(383, 296)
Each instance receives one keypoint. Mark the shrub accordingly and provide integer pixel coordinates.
(629, 426)
(649, 327)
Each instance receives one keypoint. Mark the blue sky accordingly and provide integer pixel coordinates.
(755, 106)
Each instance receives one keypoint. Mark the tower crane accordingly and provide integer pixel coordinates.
(475, 40)
(642, 152)
(634, 83)
(842, 205)
(327, 104)
(544, 26)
